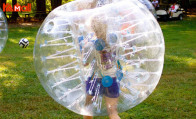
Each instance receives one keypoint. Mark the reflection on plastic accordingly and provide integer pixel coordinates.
(3, 30)
(71, 69)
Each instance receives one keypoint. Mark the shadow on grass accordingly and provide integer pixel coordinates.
(21, 93)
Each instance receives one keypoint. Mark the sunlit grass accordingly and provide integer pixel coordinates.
(185, 60)
(22, 96)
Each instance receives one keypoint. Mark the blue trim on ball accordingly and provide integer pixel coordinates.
(119, 75)
(112, 38)
(99, 44)
(107, 81)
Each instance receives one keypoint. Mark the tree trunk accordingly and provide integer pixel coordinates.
(15, 15)
(55, 3)
(1, 5)
(41, 9)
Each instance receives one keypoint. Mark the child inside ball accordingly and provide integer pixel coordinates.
(104, 73)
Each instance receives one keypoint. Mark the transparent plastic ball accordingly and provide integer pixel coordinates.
(78, 5)
(150, 7)
(3, 30)
(93, 61)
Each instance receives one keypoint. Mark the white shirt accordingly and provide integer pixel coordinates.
(105, 62)
(175, 8)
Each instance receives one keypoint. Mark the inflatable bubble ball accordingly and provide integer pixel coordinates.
(150, 7)
(3, 30)
(95, 59)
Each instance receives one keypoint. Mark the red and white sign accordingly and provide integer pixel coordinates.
(16, 8)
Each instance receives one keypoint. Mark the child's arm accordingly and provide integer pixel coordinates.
(128, 56)
(84, 63)
(88, 53)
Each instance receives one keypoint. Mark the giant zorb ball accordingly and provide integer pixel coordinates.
(89, 4)
(150, 7)
(3, 30)
(70, 39)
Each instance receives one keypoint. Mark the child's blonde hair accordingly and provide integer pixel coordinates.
(99, 26)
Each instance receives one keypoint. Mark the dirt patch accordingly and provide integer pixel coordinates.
(191, 15)
(22, 25)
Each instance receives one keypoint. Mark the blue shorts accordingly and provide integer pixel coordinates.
(95, 87)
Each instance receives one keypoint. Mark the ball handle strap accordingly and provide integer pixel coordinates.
(118, 65)
(119, 73)
(92, 77)
(101, 74)
(93, 74)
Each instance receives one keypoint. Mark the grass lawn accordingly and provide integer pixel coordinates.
(22, 96)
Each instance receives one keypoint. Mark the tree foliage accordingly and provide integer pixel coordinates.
(15, 15)
(55, 3)
(40, 9)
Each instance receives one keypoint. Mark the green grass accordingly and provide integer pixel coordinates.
(22, 96)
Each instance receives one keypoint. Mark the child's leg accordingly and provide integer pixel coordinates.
(87, 117)
(111, 97)
(89, 95)
(169, 10)
(171, 14)
(111, 104)
(88, 100)
(87, 103)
